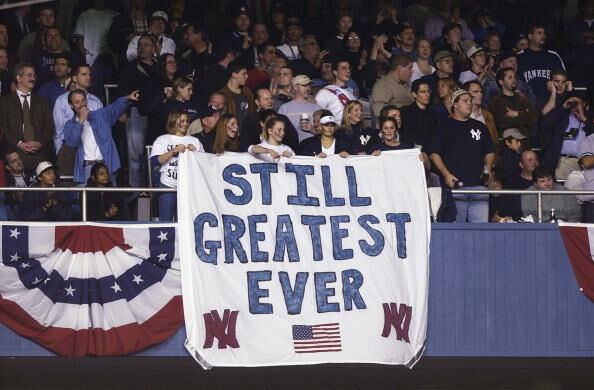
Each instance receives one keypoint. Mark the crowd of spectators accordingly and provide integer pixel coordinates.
(495, 95)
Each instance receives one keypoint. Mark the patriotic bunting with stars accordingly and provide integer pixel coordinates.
(90, 289)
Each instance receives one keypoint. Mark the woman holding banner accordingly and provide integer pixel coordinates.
(165, 152)
(325, 144)
(272, 147)
(389, 130)
(226, 135)
(352, 129)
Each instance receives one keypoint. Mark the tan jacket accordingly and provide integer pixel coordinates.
(388, 90)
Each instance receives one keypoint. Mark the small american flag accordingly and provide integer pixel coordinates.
(316, 338)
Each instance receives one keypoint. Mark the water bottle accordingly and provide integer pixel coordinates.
(554, 218)
(458, 184)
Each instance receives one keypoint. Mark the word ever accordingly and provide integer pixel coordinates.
(352, 280)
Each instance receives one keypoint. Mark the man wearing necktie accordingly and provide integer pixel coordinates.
(26, 120)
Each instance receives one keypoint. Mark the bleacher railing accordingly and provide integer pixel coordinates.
(85, 190)
(538, 193)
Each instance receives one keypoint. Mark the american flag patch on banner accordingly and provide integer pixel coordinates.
(317, 338)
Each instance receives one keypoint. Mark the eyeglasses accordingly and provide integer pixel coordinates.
(353, 38)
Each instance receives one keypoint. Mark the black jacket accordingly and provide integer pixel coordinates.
(417, 125)
(34, 202)
(312, 146)
(360, 139)
(139, 76)
(29, 178)
(555, 123)
(98, 203)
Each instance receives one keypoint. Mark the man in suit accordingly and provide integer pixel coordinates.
(26, 119)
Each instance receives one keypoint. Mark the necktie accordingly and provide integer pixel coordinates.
(28, 133)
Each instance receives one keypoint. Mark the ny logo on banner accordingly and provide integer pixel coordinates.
(399, 319)
(222, 329)
(476, 134)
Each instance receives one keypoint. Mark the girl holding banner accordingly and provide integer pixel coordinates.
(272, 147)
(226, 135)
(389, 130)
(165, 152)
(326, 144)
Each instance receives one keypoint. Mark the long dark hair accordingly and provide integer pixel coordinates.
(222, 142)
(94, 169)
(161, 70)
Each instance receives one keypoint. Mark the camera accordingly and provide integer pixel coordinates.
(572, 104)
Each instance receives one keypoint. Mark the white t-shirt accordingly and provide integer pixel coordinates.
(334, 98)
(164, 144)
(329, 151)
(93, 25)
(280, 149)
(90, 147)
(416, 72)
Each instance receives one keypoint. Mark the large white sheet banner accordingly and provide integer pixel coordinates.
(305, 261)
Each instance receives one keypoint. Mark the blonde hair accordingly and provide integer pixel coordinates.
(222, 142)
(173, 118)
(346, 122)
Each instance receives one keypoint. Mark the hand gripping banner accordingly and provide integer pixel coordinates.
(304, 261)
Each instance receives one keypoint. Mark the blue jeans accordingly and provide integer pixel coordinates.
(135, 133)
(167, 205)
(472, 207)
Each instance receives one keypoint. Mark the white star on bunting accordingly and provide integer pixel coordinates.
(14, 233)
(70, 291)
(138, 279)
(14, 257)
(162, 236)
(162, 257)
(116, 287)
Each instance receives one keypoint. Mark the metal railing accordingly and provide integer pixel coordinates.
(538, 193)
(108, 88)
(84, 190)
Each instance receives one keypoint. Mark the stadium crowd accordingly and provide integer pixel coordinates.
(494, 94)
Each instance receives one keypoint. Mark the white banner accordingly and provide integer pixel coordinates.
(306, 261)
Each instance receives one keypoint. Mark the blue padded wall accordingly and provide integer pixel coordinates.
(495, 290)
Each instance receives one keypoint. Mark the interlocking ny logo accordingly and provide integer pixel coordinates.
(399, 319)
(222, 329)
(476, 134)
